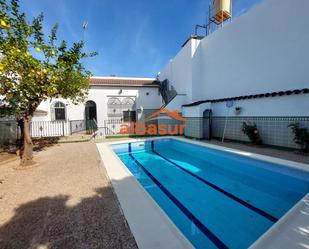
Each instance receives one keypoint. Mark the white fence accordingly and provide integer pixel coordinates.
(10, 132)
(50, 128)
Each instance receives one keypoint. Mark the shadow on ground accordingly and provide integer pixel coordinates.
(49, 222)
(40, 144)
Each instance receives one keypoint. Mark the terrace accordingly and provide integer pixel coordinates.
(74, 202)
(210, 152)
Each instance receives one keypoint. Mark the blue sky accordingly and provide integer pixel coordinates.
(134, 38)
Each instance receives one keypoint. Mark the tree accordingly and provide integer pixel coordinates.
(35, 67)
(301, 136)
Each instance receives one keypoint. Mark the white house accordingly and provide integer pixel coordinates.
(259, 52)
(110, 95)
(257, 65)
(110, 101)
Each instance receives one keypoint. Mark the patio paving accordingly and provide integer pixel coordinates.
(66, 202)
(264, 150)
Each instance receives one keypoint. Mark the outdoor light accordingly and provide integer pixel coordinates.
(237, 110)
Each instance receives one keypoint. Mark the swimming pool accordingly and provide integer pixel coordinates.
(218, 199)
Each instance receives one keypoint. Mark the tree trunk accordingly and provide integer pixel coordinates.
(27, 150)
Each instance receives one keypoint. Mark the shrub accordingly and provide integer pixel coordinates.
(301, 136)
(252, 132)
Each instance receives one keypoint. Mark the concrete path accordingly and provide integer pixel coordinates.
(66, 202)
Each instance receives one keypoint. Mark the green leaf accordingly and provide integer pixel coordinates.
(25, 80)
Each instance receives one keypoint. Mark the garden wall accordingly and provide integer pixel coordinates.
(274, 131)
(9, 132)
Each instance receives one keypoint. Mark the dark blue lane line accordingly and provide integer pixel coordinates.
(186, 211)
(130, 147)
(235, 198)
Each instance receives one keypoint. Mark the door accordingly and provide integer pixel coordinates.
(91, 116)
(91, 110)
(207, 121)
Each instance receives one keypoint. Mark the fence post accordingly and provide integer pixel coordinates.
(63, 128)
(70, 122)
(105, 127)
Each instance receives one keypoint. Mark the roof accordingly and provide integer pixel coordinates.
(254, 96)
(123, 81)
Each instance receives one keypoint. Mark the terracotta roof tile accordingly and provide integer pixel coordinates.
(261, 95)
(122, 81)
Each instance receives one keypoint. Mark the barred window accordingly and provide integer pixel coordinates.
(128, 104)
(114, 107)
(58, 111)
(128, 110)
(129, 116)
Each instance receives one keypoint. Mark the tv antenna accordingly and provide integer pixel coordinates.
(85, 24)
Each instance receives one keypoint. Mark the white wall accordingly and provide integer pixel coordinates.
(176, 103)
(293, 105)
(72, 111)
(195, 111)
(179, 70)
(100, 96)
(143, 101)
(264, 50)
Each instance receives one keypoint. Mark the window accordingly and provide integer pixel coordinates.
(128, 104)
(129, 116)
(128, 110)
(114, 107)
(124, 109)
(58, 111)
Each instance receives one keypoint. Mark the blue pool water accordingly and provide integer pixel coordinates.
(217, 199)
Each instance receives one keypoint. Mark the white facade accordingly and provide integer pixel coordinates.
(145, 97)
(264, 50)
(180, 71)
(284, 106)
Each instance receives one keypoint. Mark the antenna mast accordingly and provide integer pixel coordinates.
(219, 11)
(85, 24)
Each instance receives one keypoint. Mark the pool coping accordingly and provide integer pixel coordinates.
(277, 236)
(149, 224)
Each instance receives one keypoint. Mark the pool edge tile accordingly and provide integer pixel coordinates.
(291, 231)
(149, 224)
(296, 218)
